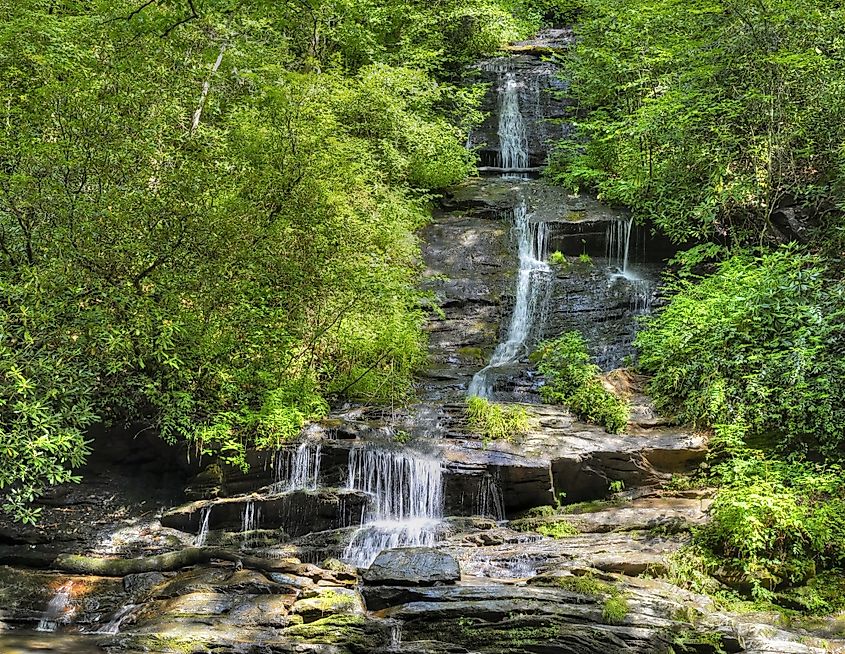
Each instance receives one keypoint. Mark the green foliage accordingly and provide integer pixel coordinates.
(571, 380)
(615, 605)
(615, 609)
(708, 116)
(822, 595)
(45, 395)
(496, 421)
(558, 529)
(753, 352)
(586, 584)
(755, 347)
(545, 511)
(776, 521)
(207, 218)
(544, 522)
(558, 259)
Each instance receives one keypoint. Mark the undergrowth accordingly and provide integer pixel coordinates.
(615, 606)
(571, 380)
(496, 421)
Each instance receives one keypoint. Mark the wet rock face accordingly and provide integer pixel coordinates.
(468, 270)
(541, 100)
(503, 618)
(296, 513)
(413, 566)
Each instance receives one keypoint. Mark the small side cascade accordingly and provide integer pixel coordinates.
(113, 625)
(202, 534)
(250, 520)
(298, 469)
(619, 243)
(489, 501)
(57, 608)
(619, 248)
(395, 644)
(406, 508)
(533, 282)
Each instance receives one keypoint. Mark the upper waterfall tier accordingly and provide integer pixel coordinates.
(527, 83)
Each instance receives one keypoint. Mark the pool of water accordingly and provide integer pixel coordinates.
(34, 642)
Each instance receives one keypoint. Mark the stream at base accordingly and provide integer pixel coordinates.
(34, 642)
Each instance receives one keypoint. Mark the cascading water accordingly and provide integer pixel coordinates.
(513, 141)
(202, 534)
(406, 490)
(619, 247)
(532, 285)
(298, 469)
(113, 625)
(250, 520)
(534, 275)
(57, 608)
(489, 501)
(619, 243)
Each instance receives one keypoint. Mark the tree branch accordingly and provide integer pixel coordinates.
(206, 87)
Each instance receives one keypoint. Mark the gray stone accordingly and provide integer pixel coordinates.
(413, 566)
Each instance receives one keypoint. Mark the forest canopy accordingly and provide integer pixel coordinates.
(208, 213)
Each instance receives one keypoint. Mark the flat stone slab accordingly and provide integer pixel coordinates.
(413, 566)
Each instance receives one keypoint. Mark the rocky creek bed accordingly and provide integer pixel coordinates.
(391, 529)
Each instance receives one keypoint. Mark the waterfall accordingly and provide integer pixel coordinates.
(57, 608)
(489, 501)
(395, 637)
(642, 291)
(618, 239)
(250, 520)
(202, 535)
(113, 625)
(298, 469)
(406, 506)
(532, 285)
(513, 141)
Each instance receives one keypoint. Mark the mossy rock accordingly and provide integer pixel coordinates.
(323, 602)
(472, 354)
(352, 631)
(552, 526)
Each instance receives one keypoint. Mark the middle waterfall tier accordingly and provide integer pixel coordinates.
(406, 508)
(531, 299)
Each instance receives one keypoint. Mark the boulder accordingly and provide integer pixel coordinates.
(413, 566)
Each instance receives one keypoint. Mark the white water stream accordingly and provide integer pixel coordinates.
(406, 490)
(202, 534)
(117, 620)
(298, 469)
(513, 140)
(57, 608)
(532, 285)
(534, 274)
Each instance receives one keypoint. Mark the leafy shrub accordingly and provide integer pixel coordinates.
(777, 522)
(683, 123)
(558, 259)
(755, 347)
(496, 421)
(571, 380)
